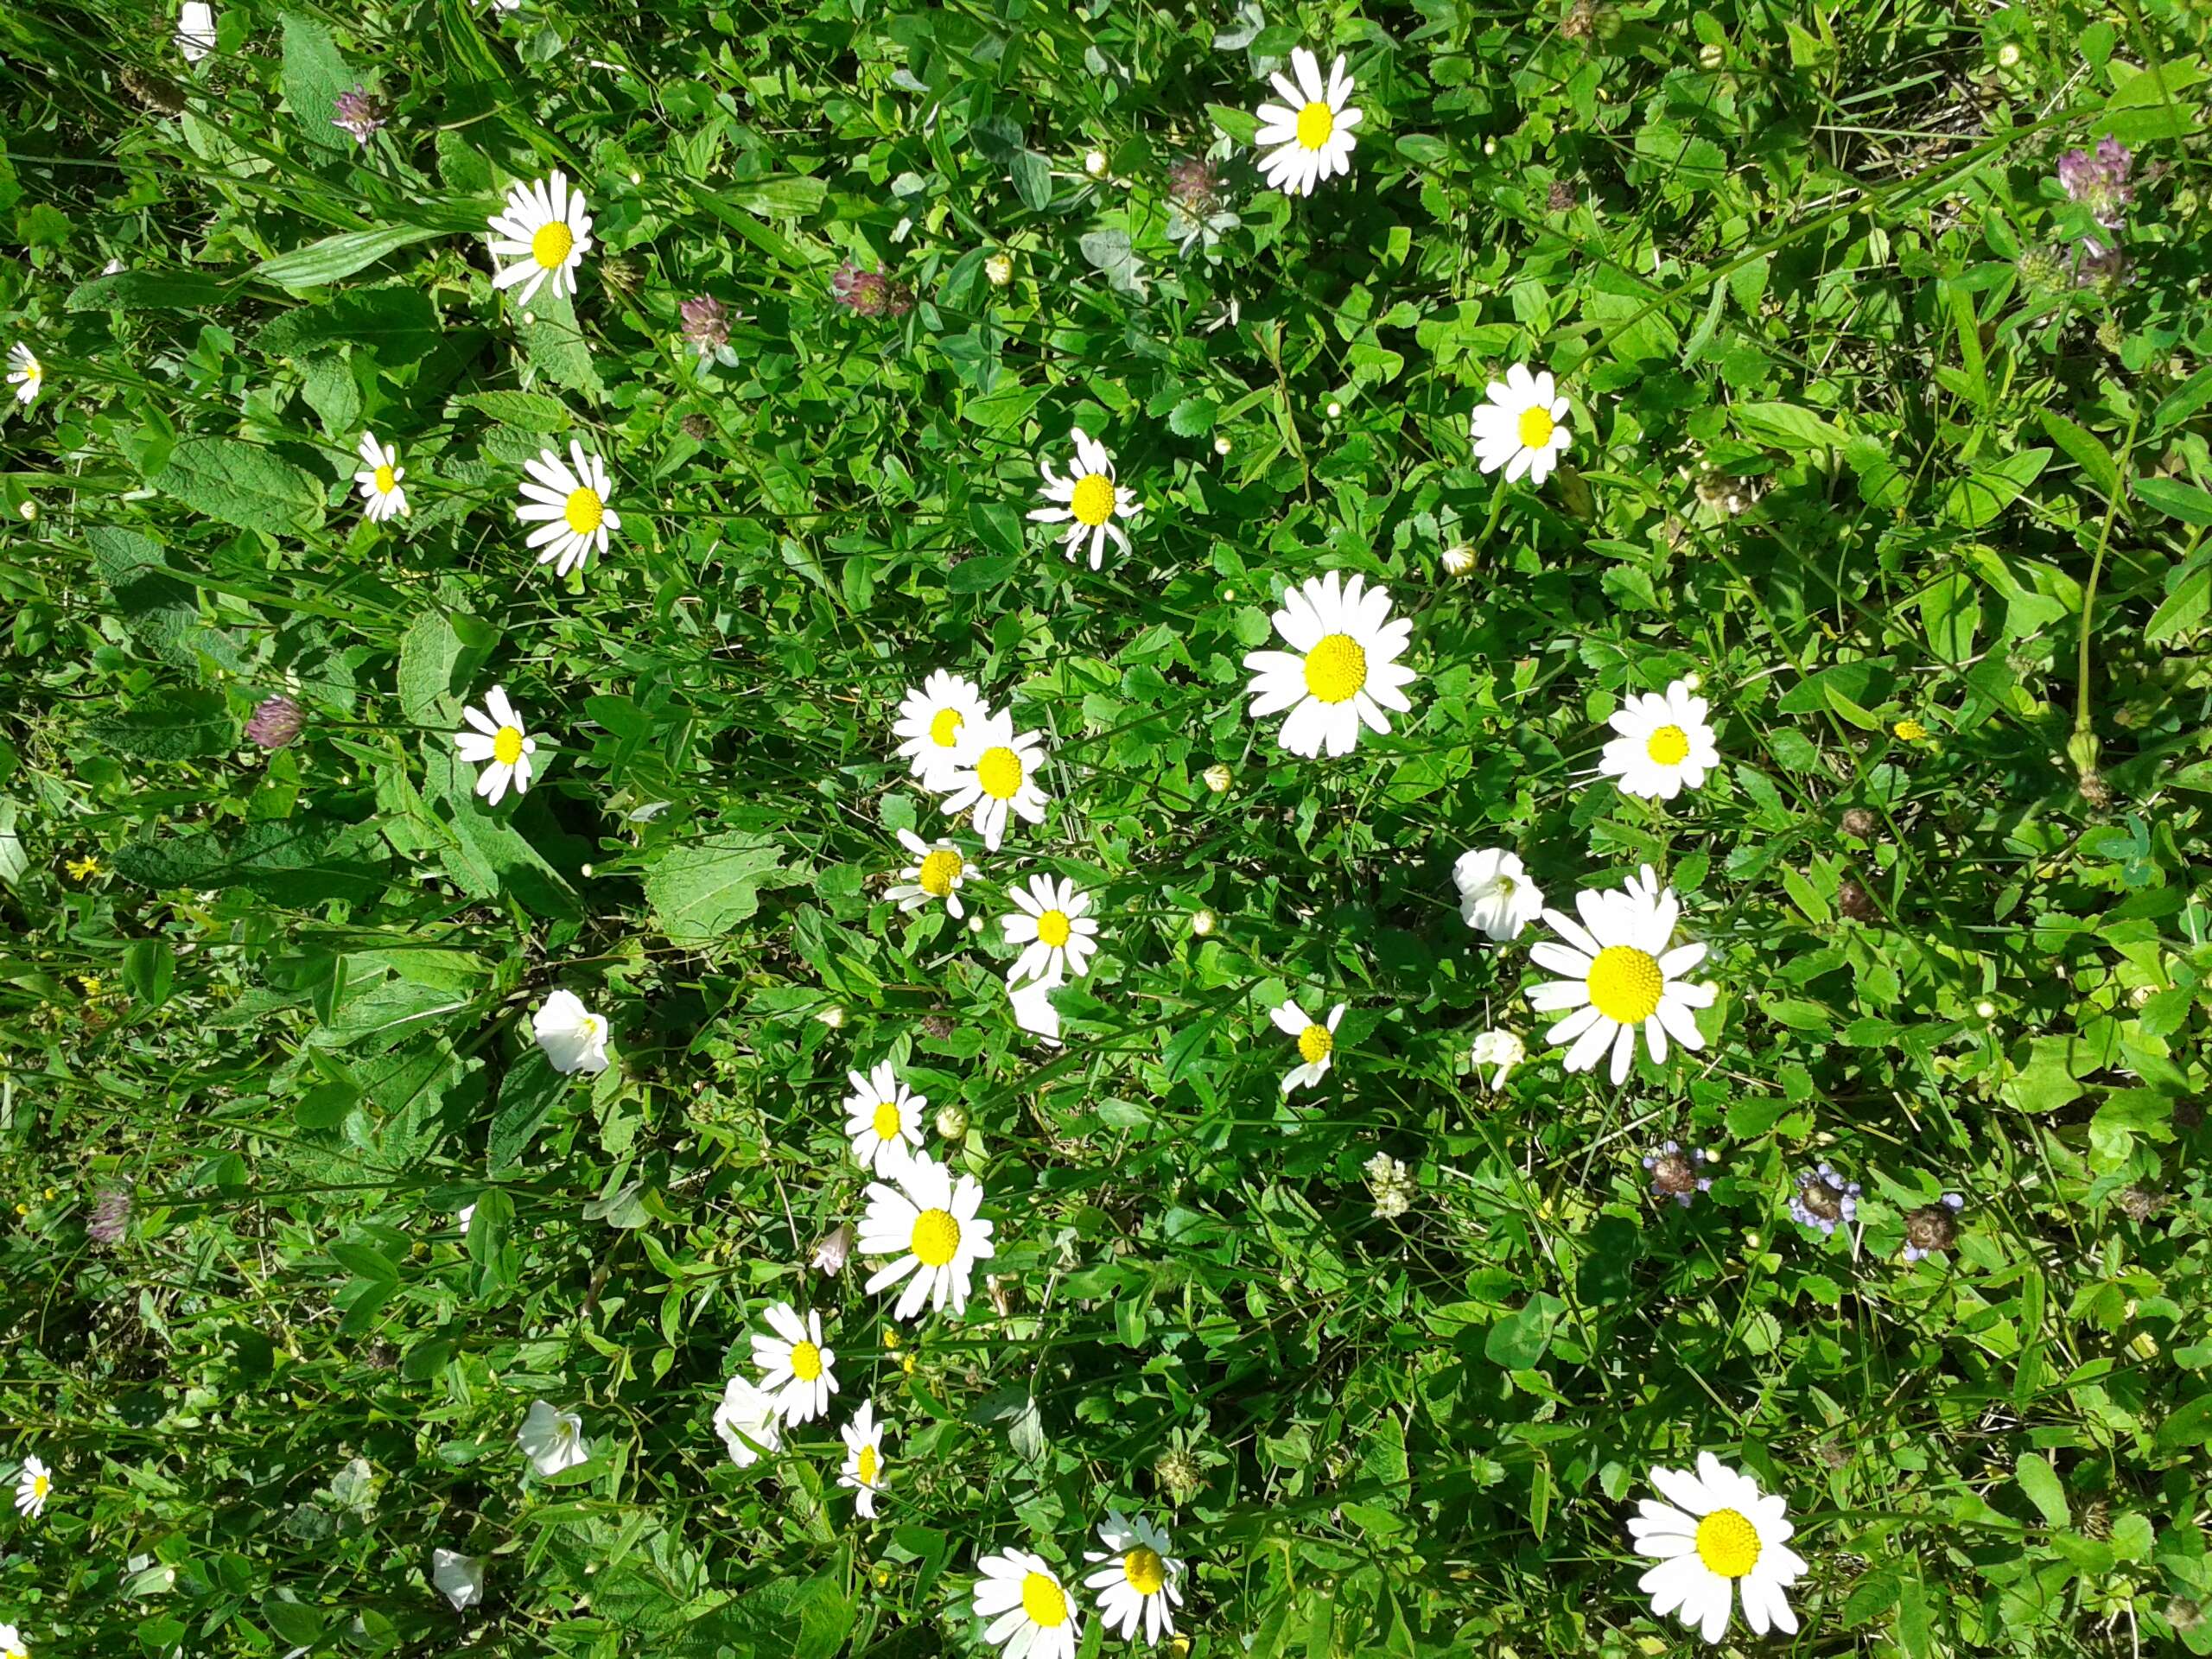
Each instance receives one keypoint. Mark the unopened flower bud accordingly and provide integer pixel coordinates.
(1095, 163)
(999, 269)
(1458, 560)
(951, 1120)
(833, 1016)
(1219, 778)
(1221, 445)
(1202, 922)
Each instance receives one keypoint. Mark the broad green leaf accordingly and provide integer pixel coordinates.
(175, 724)
(315, 78)
(149, 290)
(699, 890)
(341, 255)
(2040, 1482)
(1786, 426)
(2176, 499)
(1979, 497)
(243, 483)
(398, 321)
(303, 862)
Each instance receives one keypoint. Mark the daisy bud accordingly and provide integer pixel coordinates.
(832, 1016)
(357, 112)
(706, 324)
(1335, 408)
(1202, 923)
(999, 269)
(1221, 446)
(1095, 163)
(1711, 55)
(1985, 1010)
(1693, 680)
(276, 723)
(1490, 146)
(2008, 55)
(1219, 778)
(951, 1120)
(1458, 560)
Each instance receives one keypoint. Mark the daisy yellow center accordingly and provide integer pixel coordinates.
(1728, 1544)
(1335, 668)
(584, 512)
(1093, 498)
(506, 744)
(385, 480)
(41, 1485)
(551, 246)
(1044, 1602)
(944, 728)
(806, 1361)
(1052, 928)
(999, 773)
(1668, 745)
(886, 1120)
(1626, 984)
(940, 869)
(865, 1465)
(1315, 1044)
(1536, 428)
(1317, 121)
(1144, 1570)
(936, 1237)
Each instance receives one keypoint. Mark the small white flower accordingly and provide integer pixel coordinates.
(1033, 1008)
(34, 1481)
(940, 871)
(195, 29)
(1719, 1537)
(863, 1468)
(1140, 1582)
(1523, 428)
(884, 1119)
(931, 721)
(1053, 926)
(1341, 671)
(546, 231)
(748, 1422)
(467, 1213)
(1500, 1048)
(1308, 137)
(1094, 163)
(1665, 743)
(552, 1440)
(797, 1372)
(573, 1037)
(379, 479)
(1496, 894)
(25, 373)
(1317, 1042)
(568, 503)
(1031, 1616)
(996, 774)
(929, 1224)
(1088, 501)
(459, 1578)
(499, 745)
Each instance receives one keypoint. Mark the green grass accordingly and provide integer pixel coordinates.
(1850, 442)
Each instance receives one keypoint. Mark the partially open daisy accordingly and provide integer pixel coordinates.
(928, 1224)
(1317, 1042)
(34, 1483)
(748, 1422)
(863, 1470)
(1139, 1582)
(1308, 137)
(568, 505)
(1088, 501)
(1496, 894)
(498, 746)
(1052, 925)
(884, 1118)
(1031, 1616)
(931, 721)
(937, 872)
(25, 373)
(1719, 1537)
(546, 231)
(797, 1372)
(379, 479)
(1665, 743)
(1342, 669)
(1523, 428)
(1620, 972)
(997, 774)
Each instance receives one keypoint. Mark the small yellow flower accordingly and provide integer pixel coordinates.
(890, 1338)
(84, 868)
(907, 1363)
(1911, 731)
(93, 984)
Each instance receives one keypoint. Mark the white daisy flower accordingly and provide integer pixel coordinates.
(12, 1644)
(928, 1223)
(1496, 894)
(500, 741)
(931, 721)
(799, 1373)
(1500, 1048)
(1718, 1537)
(1523, 428)
(1140, 1582)
(748, 1422)
(1089, 497)
(568, 505)
(195, 29)
(546, 231)
(938, 871)
(1619, 972)
(1031, 1616)
(1341, 671)
(996, 774)
(573, 1037)
(1033, 1008)
(1310, 131)
(1052, 925)
(863, 1468)
(34, 1481)
(379, 479)
(884, 1118)
(1665, 743)
(1316, 1042)
(459, 1578)
(552, 1440)
(25, 373)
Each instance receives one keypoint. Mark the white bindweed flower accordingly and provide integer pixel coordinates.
(566, 501)
(1341, 671)
(25, 373)
(1308, 137)
(34, 1483)
(546, 231)
(931, 1226)
(459, 1578)
(884, 1119)
(931, 721)
(1496, 894)
(748, 1422)
(1140, 1582)
(498, 746)
(552, 1440)
(1717, 1538)
(1317, 1042)
(195, 29)
(1089, 497)
(1620, 972)
(1664, 746)
(863, 1467)
(1031, 1616)
(1499, 1048)
(1523, 428)
(938, 871)
(996, 774)
(1052, 923)
(573, 1037)
(797, 1372)
(379, 479)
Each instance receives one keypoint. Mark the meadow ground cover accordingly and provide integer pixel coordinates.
(1364, 830)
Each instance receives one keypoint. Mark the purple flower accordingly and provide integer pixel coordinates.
(1194, 186)
(276, 723)
(1933, 1228)
(2100, 180)
(357, 112)
(1674, 1173)
(706, 324)
(870, 293)
(111, 1219)
(2096, 264)
(1824, 1200)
